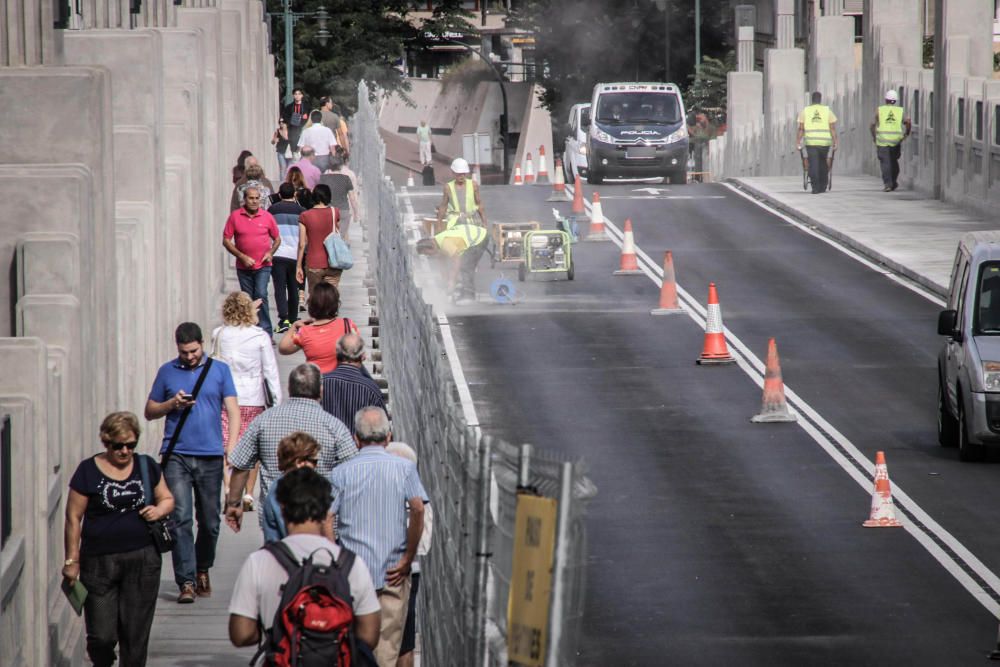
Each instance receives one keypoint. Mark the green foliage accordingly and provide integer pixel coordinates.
(467, 74)
(928, 53)
(579, 44)
(707, 89)
(367, 38)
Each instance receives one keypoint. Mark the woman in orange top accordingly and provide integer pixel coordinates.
(318, 337)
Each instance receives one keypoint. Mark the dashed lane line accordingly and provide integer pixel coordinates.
(955, 557)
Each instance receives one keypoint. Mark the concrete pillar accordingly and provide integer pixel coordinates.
(784, 97)
(744, 48)
(27, 36)
(834, 8)
(784, 23)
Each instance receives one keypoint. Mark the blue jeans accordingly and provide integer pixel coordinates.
(254, 282)
(196, 482)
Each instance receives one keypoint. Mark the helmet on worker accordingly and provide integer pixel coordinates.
(459, 166)
(891, 97)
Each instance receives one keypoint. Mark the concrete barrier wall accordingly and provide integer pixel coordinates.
(115, 151)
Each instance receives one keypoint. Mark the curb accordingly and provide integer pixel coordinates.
(843, 239)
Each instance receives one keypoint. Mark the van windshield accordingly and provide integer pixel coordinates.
(987, 315)
(622, 108)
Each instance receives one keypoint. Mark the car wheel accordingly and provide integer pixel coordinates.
(595, 177)
(966, 450)
(947, 424)
(570, 272)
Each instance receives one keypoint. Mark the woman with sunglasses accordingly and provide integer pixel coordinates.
(109, 547)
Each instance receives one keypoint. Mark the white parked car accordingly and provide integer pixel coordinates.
(575, 153)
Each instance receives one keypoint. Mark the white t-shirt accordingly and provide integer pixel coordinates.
(320, 137)
(257, 592)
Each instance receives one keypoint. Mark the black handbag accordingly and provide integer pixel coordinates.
(159, 530)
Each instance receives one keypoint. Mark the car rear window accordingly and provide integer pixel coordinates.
(987, 315)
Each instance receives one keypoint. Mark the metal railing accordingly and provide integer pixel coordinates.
(473, 479)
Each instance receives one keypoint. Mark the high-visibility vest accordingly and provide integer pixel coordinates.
(816, 123)
(454, 209)
(889, 131)
(472, 234)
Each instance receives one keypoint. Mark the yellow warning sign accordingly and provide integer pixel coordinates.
(531, 580)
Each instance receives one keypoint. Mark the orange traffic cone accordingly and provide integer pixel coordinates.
(529, 170)
(409, 180)
(577, 199)
(883, 514)
(517, 176)
(597, 231)
(543, 172)
(715, 351)
(668, 291)
(774, 408)
(558, 184)
(629, 262)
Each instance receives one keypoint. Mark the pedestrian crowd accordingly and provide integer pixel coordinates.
(343, 512)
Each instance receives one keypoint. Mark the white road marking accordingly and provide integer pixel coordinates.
(652, 191)
(928, 532)
(655, 197)
(853, 254)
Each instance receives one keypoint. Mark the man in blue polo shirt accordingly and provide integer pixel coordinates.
(194, 468)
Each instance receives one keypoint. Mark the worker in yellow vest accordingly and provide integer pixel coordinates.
(891, 126)
(818, 131)
(463, 239)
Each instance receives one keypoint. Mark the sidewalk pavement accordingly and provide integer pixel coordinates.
(907, 231)
(197, 635)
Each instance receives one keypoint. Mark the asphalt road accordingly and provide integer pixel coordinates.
(714, 541)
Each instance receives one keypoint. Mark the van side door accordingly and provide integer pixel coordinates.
(954, 349)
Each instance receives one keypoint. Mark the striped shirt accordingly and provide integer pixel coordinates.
(346, 390)
(260, 442)
(369, 498)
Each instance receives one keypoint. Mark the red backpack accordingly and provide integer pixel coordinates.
(314, 623)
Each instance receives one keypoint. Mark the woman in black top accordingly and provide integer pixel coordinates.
(280, 141)
(109, 546)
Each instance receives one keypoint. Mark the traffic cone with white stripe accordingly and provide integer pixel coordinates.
(715, 351)
(559, 184)
(529, 170)
(543, 172)
(668, 291)
(597, 231)
(629, 262)
(774, 407)
(517, 175)
(409, 180)
(578, 209)
(883, 514)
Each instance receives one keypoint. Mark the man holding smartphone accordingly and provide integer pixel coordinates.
(194, 467)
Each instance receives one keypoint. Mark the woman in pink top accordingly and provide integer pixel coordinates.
(318, 337)
(314, 226)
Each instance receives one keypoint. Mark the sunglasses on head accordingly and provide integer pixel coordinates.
(118, 446)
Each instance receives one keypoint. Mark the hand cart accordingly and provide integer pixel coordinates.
(508, 241)
(805, 168)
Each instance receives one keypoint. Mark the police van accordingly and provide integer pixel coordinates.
(637, 130)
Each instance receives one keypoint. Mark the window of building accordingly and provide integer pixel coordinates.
(930, 109)
(915, 111)
(6, 492)
(996, 124)
(961, 117)
(979, 120)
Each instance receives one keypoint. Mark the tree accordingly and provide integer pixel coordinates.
(368, 37)
(707, 90)
(580, 44)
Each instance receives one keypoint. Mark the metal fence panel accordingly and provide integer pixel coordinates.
(473, 480)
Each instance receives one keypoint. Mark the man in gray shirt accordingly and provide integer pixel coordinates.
(343, 196)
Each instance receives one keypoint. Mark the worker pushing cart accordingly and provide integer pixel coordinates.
(463, 240)
(817, 129)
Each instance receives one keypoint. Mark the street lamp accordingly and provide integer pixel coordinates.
(662, 6)
(322, 36)
(503, 93)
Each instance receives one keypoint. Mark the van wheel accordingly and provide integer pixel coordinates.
(678, 177)
(947, 425)
(594, 177)
(966, 450)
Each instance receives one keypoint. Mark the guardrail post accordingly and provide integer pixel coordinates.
(557, 610)
(524, 466)
(483, 552)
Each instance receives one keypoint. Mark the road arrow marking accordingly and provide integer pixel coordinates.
(652, 191)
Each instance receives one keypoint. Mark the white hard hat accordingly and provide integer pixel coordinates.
(460, 166)
(891, 96)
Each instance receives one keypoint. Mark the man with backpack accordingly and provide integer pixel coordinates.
(314, 599)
